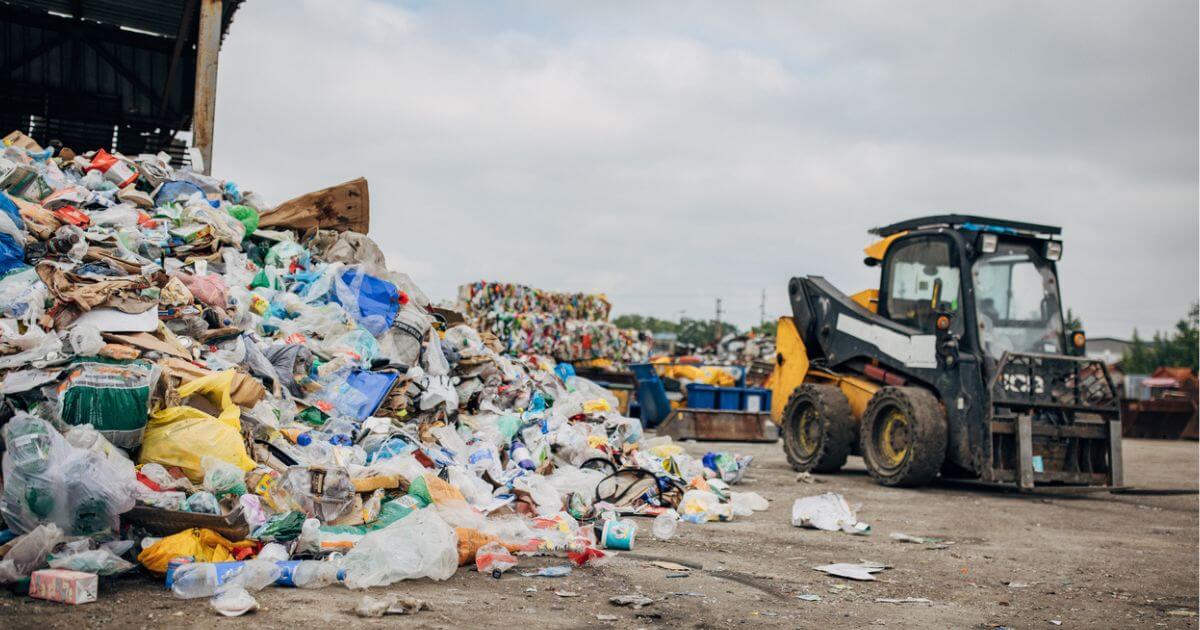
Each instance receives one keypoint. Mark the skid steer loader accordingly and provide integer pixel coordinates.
(958, 364)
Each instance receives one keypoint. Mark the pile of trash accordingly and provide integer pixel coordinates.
(571, 327)
(231, 406)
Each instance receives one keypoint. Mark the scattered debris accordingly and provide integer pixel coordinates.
(389, 605)
(862, 571)
(549, 572)
(902, 600)
(633, 601)
(1016, 584)
(604, 617)
(566, 593)
(807, 477)
(809, 597)
(234, 601)
(828, 512)
(671, 566)
(920, 540)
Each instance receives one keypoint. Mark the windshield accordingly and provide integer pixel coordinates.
(1016, 302)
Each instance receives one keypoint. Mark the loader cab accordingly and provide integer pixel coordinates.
(996, 280)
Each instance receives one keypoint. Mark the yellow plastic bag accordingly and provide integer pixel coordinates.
(204, 545)
(182, 436)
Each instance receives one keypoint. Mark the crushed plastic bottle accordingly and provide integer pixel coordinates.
(665, 525)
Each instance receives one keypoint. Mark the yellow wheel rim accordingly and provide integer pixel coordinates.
(809, 431)
(893, 439)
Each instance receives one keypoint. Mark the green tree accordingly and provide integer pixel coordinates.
(642, 322)
(700, 332)
(1180, 349)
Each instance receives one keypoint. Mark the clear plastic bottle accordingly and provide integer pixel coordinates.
(314, 574)
(195, 580)
(665, 525)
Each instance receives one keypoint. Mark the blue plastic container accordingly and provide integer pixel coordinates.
(756, 399)
(729, 398)
(701, 396)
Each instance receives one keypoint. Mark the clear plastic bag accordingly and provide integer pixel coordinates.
(49, 481)
(85, 340)
(28, 552)
(222, 478)
(419, 545)
(99, 561)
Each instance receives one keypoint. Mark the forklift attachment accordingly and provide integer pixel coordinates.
(1055, 419)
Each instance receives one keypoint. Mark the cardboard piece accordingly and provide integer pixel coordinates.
(342, 207)
(148, 342)
(22, 141)
(247, 390)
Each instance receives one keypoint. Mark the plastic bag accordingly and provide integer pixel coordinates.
(28, 552)
(99, 561)
(203, 502)
(85, 340)
(372, 302)
(46, 480)
(204, 545)
(222, 478)
(209, 289)
(112, 396)
(828, 512)
(123, 215)
(182, 436)
(421, 545)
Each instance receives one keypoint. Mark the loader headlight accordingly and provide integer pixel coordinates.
(988, 243)
(1053, 250)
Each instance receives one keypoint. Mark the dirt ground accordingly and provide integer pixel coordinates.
(1097, 560)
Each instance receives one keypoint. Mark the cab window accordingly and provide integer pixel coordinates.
(923, 278)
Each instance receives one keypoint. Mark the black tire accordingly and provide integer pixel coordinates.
(914, 454)
(823, 442)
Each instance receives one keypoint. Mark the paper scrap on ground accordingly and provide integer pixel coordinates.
(861, 571)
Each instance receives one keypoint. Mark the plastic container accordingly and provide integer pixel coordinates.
(729, 398)
(700, 396)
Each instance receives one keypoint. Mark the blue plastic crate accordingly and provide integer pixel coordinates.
(701, 396)
(756, 399)
(729, 398)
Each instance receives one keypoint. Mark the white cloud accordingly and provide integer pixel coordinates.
(669, 155)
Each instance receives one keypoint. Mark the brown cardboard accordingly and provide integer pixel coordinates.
(342, 207)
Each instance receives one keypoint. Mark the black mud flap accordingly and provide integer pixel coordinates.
(1054, 420)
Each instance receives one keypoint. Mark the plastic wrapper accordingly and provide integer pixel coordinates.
(420, 545)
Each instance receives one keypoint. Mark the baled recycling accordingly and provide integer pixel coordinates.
(236, 395)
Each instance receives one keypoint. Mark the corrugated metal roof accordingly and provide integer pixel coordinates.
(104, 79)
(160, 17)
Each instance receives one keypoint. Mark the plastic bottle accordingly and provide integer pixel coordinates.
(314, 574)
(195, 580)
(520, 455)
(665, 525)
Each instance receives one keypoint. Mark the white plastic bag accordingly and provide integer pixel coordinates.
(828, 512)
(419, 545)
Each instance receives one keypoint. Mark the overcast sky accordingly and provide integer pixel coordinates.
(671, 153)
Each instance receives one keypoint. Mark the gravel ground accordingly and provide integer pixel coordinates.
(1021, 561)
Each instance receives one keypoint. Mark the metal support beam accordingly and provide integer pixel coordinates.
(1025, 451)
(208, 47)
(181, 38)
(1116, 464)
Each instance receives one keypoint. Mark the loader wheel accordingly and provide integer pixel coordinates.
(818, 429)
(903, 436)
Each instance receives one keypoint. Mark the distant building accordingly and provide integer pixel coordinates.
(1107, 349)
(665, 342)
